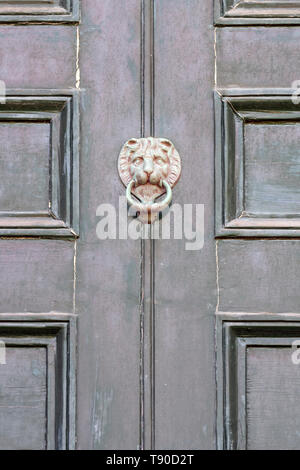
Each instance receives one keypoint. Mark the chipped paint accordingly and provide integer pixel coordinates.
(78, 59)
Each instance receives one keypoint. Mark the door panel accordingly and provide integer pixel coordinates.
(37, 381)
(217, 79)
(38, 56)
(108, 272)
(272, 388)
(258, 379)
(35, 142)
(36, 276)
(258, 275)
(185, 288)
(262, 12)
(256, 163)
(43, 11)
(38, 224)
(248, 57)
(257, 201)
(28, 408)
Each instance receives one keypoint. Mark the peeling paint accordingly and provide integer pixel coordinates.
(78, 59)
(74, 276)
(102, 405)
(215, 52)
(217, 277)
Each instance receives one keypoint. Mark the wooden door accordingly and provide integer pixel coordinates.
(123, 343)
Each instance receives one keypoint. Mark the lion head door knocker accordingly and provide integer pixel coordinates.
(149, 168)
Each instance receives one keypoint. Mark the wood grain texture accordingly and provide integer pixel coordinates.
(24, 149)
(272, 168)
(249, 57)
(102, 280)
(37, 386)
(259, 275)
(50, 172)
(186, 281)
(107, 271)
(257, 381)
(252, 12)
(49, 11)
(23, 399)
(38, 56)
(36, 275)
(272, 399)
(256, 164)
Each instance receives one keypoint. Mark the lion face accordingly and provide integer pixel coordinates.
(149, 161)
(151, 166)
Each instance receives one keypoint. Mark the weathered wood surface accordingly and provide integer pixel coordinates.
(37, 275)
(38, 56)
(32, 191)
(272, 399)
(255, 57)
(37, 381)
(43, 11)
(260, 275)
(256, 167)
(253, 12)
(186, 296)
(23, 399)
(107, 271)
(140, 382)
(257, 379)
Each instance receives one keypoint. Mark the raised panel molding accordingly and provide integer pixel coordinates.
(39, 11)
(57, 113)
(257, 164)
(37, 381)
(237, 12)
(254, 359)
